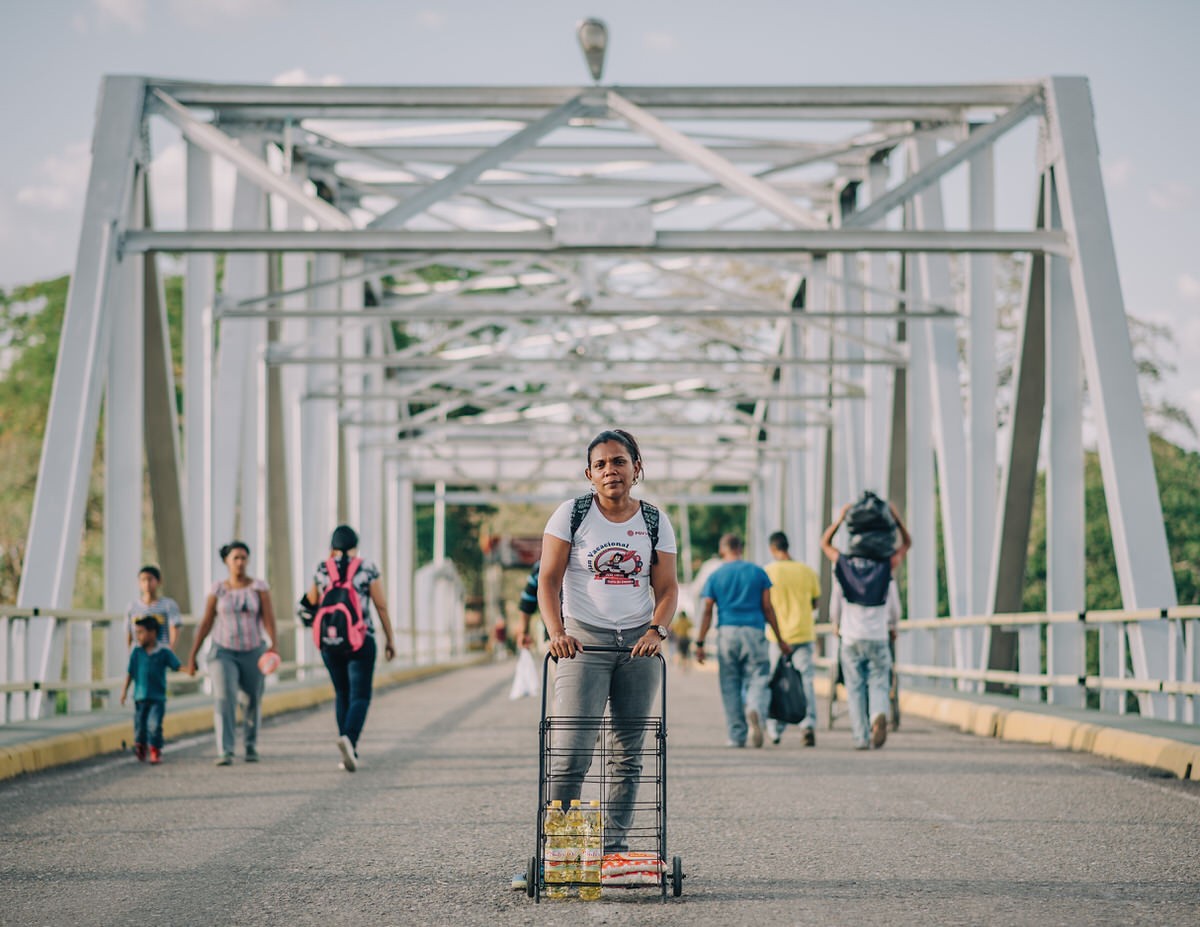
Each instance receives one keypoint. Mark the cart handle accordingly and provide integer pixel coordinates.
(593, 649)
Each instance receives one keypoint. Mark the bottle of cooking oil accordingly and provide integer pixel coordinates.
(593, 852)
(554, 855)
(576, 831)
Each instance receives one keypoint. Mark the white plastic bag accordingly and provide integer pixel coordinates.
(525, 680)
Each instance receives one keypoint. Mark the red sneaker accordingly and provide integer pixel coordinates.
(155, 756)
(139, 750)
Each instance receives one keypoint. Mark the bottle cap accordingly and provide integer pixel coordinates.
(575, 803)
(557, 803)
(594, 803)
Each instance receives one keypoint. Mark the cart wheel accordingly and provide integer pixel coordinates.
(531, 875)
(676, 876)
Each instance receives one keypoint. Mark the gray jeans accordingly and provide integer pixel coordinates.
(231, 670)
(582, 688)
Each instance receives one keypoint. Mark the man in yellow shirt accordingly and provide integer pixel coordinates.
(795, 589)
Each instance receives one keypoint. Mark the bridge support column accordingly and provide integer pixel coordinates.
(1064, 472)
(68, 448)
(1130, 487)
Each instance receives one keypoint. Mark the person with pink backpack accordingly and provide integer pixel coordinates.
(343, 588)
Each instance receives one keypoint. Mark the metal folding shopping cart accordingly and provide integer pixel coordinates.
(648, 833)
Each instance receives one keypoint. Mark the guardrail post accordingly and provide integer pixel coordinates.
(79, 665)
(1029, 659)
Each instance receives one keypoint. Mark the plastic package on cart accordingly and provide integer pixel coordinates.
(632, 869)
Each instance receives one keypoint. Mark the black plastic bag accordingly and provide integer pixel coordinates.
(871, 527)
(788, 705)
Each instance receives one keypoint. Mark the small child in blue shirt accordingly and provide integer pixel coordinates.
(148, 665)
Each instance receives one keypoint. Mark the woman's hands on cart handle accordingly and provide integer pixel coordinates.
(563, 645)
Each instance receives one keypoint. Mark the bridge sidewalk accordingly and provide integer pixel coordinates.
(30, 746)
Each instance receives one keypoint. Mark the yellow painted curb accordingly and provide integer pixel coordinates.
(74, 746)
(1179, 758)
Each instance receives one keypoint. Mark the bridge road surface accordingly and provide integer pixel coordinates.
(937, 828)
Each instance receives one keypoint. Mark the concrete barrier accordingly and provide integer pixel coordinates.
(1180, 758)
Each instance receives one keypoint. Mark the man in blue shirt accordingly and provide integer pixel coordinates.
(741, 592)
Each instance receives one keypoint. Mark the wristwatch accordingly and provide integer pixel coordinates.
(662, 632)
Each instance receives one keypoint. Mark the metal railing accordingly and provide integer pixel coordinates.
(94, 650)
(1066, 679)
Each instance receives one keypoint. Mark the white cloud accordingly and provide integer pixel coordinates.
(1172, 195)
(1117, 173)
(660, 41)
(1188, 287)
(431, 19)
(129, 13)
(61, 180)
(297, 76)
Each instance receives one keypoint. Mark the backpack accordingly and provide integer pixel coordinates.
(649, 513)
(339, 627)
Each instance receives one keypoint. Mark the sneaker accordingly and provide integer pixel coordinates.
(139, 750)
(756, 729)
(252, 754)
(810, 737)
(734, 744)
(349, 759)
(225, 759)
(862, 746)
(155, 756)
(775, 729)
(879, 731)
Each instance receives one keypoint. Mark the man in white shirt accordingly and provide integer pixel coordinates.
(864, 631)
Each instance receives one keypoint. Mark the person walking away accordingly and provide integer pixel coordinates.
(527, 605)
(864, 609)
(148, 665)
(741, 593)
(681, 635)
(352, 672)
(795, 589)
(149, 602)
(239, 615)
(607, 580)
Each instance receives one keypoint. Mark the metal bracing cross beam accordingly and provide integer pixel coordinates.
(937, 167)
(729, 175)
(248, 165)
(468, 173)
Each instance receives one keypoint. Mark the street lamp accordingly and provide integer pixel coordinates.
(593, 39)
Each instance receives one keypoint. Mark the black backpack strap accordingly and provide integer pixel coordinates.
(650, 515)
(578, 512)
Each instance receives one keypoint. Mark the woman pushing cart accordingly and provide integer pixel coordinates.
(607, 594)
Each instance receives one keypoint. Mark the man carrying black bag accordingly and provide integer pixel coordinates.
(788, 705)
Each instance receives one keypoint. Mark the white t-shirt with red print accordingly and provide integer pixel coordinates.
(607, 584)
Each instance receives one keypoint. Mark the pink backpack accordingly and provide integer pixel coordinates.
(339, 626)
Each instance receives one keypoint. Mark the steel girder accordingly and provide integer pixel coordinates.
(431, 320)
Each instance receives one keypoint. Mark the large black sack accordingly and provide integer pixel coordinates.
(871, 527)
(788, 705)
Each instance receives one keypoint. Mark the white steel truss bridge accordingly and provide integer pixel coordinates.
(787, 290)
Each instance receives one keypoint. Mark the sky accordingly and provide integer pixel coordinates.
(1139, 57)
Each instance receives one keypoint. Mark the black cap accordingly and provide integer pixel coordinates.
(344, 538)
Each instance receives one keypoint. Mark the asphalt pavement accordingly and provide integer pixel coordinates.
(938, 827)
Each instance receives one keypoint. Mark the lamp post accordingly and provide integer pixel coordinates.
(593, 39)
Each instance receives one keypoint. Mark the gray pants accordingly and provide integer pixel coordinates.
(582, 687)
(231, 670)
